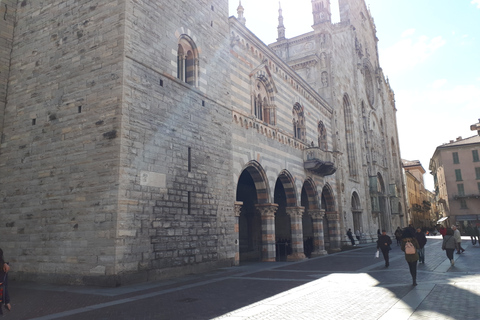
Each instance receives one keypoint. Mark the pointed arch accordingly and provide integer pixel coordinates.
(263, 95)
(260, 181)
(187, 60)
(328, 198)
(289, 185)
(311, 193)
(355, 202)
(298, 119)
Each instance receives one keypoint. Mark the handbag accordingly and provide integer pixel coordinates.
(377, 254)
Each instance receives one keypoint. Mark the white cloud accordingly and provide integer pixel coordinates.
(408, 32)
(439, 83)
(428, 118)
(477, 2)
(409, 52)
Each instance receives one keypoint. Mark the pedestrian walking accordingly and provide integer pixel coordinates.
(398, 235)
(410, 247)
(383, 243)
(458, 239)
(443, 231)
(422, 241)
(449, 245)
(350, 236)
(472, 232)
(4, 293)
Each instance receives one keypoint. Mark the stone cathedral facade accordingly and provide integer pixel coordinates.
(147, 139)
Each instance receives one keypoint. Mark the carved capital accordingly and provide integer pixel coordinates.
(267, 209)
(295, 211)
(238, 208)
(317, 213)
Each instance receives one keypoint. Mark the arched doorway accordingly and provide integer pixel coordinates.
(356, 213)
(284, 197)
(331, 222)
(251, 191)
(309, 200)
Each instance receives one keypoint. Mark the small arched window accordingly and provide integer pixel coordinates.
(187, 61)
(262, 107)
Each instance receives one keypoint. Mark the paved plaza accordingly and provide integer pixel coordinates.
(347, 285)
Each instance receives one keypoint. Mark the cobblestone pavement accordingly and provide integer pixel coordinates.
(348, 285)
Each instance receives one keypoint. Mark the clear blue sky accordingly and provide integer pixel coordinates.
(429, 50)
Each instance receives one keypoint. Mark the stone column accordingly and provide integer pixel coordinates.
(267, 212)
(237, 209)
(334, 230)
(318, 236)
(295, 214)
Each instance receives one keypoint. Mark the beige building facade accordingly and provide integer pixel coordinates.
(456, 170)
(143, 140)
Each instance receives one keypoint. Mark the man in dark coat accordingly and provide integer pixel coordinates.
(383, 243)
(422, 241)
(350, 236)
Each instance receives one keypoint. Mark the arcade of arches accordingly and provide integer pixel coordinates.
(274, 227)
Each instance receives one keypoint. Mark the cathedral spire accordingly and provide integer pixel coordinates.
(321, 11)
(281, 27)
(240, 10)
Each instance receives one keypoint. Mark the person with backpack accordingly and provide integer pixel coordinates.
(410, 247)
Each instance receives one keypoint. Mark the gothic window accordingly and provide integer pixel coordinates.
(369, 86)
(322, 136)
(258, 104)
(350, 136)
(298, 122)
(187, 61)
(261, 106)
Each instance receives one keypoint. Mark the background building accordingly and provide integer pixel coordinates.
(456, 170)
(142, 140)
(419, 204)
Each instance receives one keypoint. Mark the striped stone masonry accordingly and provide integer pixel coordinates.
(267, 212)
(334, 230)
(295, 214)
(318, 236)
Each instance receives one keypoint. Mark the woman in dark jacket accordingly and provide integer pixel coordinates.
(449, 245)
(408, 236)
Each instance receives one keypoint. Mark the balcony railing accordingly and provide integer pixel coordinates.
(319, 161)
